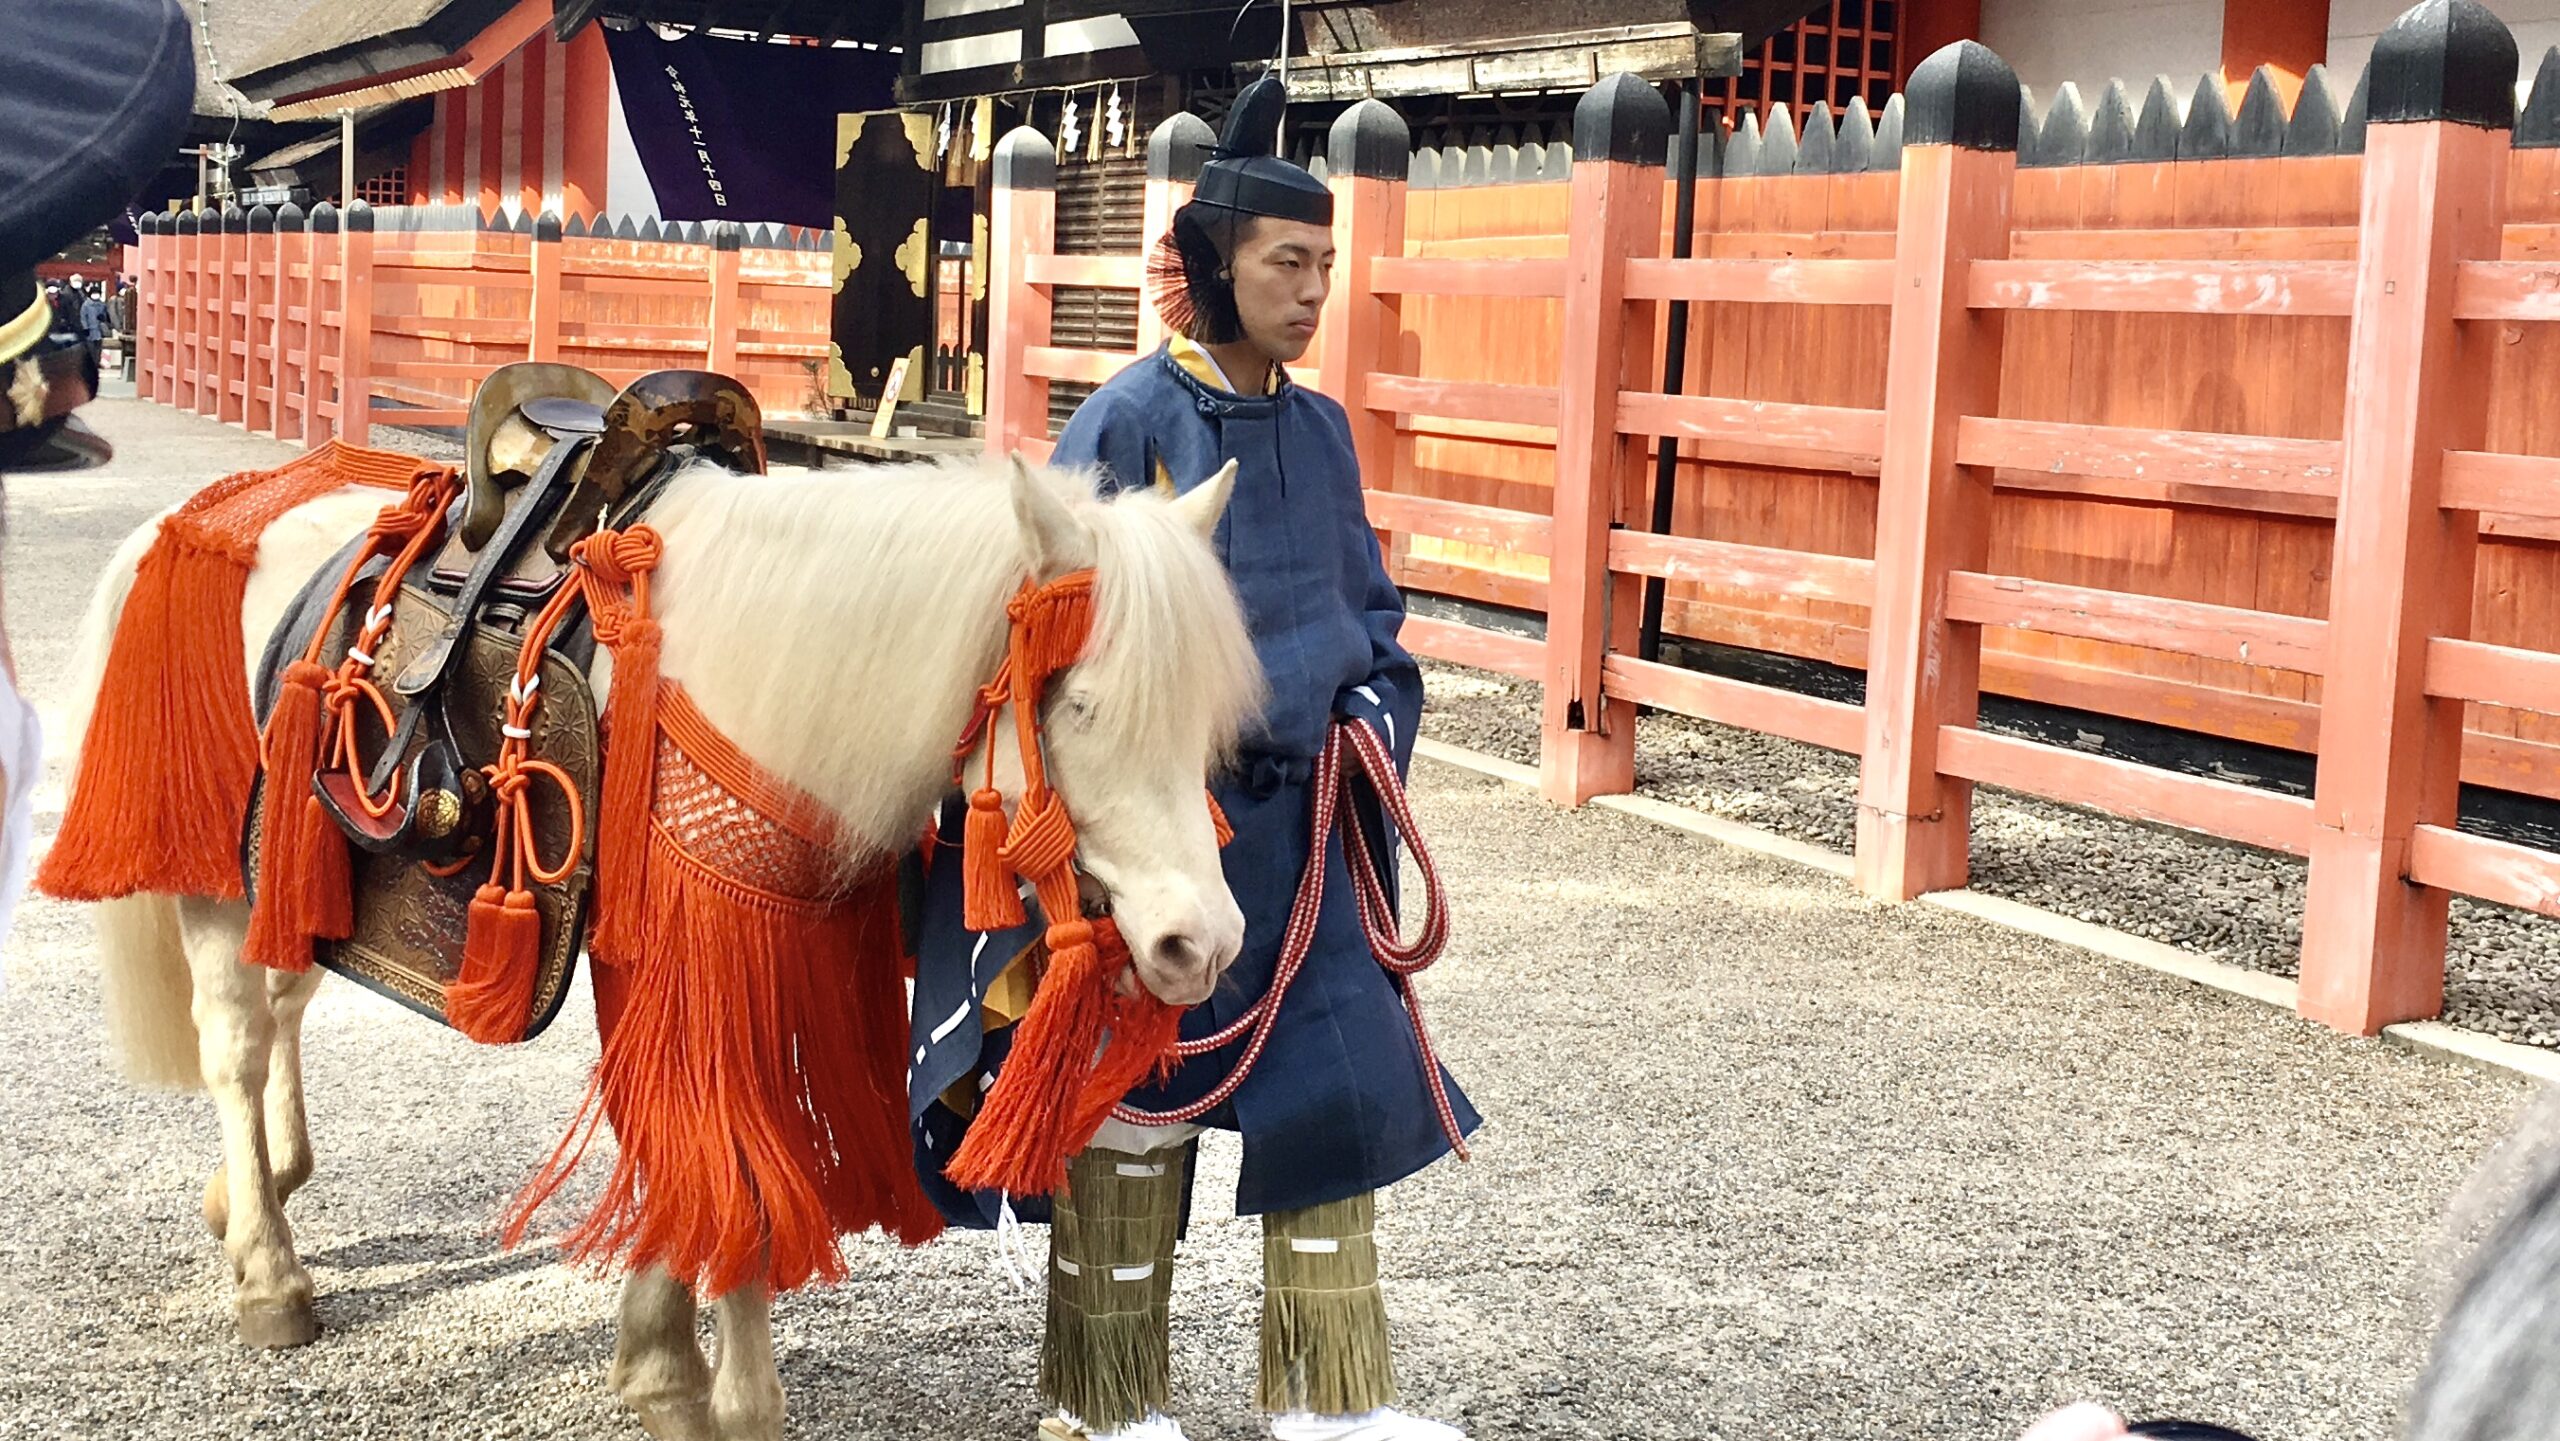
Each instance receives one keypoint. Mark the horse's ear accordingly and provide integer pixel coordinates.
(1201, 505)
(1053, 538)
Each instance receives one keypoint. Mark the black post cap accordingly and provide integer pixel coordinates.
(147, 223)
(2259, 132)
(1370, 141)
(188, 222)
(290, 217)
(726, 235)
(1964, 96)
(1024, 161)
(1179, 146)
(546, 228)
(359, 216)
(1623, 118)
(235, 221)
(324, 219)
(2444, 60)
(2539, 126)
(262, 221)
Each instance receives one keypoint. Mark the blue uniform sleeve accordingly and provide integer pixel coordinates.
(1107, 434)
(1389, 700)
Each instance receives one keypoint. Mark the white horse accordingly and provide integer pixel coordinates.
(836, 629)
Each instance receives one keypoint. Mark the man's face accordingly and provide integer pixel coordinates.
(1282, 270)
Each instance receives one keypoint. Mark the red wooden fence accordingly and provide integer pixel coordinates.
(2420, 282)
(260, 318)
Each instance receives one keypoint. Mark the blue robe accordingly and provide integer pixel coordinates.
(1339, 1102)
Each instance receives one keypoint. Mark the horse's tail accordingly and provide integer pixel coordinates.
(149, 999)
(151, 1023)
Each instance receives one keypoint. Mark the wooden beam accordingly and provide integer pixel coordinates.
(2190, 287)
(1460, 399)
(2185, 627)
(1768, 425)
(1831, 724)
(1512, 655)
(1103, 272)
(2493, 870)
(1511, 530)
(2217, 808)
(1416, 275)
(1763, 282)
(1804, 575)
(2169, 457)
(2471, 670)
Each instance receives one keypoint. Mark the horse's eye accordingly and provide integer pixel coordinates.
(1076, 708)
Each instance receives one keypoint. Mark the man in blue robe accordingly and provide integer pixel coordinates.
(1339, 1104)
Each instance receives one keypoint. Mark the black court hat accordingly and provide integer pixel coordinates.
(94, 98)
(1247, 177)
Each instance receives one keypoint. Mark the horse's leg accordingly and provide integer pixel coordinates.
(746, 1395)
(658, 1369)
(288, 1128)
(235, 1028)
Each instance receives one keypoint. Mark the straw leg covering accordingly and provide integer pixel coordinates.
(1106, 1357)
(1324, 1320)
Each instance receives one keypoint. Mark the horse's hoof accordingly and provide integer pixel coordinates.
(677, 1420)
(277, 1325)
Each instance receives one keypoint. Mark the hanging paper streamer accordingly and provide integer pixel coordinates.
(1112, 119)
(942, 133)
(1067, 132)
(982, 126)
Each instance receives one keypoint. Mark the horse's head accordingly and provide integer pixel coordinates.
(1134, 728)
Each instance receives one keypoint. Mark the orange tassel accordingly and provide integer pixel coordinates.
(988, 899)
(1025, 1132)
(630, 772)
(328, 875)
(491, 1001)
(280, 931)
(1218, 822)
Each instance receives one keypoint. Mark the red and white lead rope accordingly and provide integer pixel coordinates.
(1403, 958)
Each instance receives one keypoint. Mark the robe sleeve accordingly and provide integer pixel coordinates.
(1108, 434)
(1389, 699)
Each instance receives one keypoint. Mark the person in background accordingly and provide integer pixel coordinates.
(93, 314)
(94, 99)
(122, 312)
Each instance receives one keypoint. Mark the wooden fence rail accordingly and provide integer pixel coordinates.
(1920, 334)
(259, 318)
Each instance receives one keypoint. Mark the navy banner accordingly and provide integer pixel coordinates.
(734, 130)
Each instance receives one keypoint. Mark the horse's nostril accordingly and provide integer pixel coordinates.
(1179, 954)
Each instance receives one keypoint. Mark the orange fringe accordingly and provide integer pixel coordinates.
(491, 1001)
(752, 1065)
(294, 833)
(171, 753)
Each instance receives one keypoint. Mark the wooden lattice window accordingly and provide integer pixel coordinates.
(1844, 50)
(391, 187)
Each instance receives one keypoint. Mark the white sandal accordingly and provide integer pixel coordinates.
(1154, 1426)
(1384, 1424)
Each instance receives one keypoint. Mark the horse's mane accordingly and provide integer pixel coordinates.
(836, 625)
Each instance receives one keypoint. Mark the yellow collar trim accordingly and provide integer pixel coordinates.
(1202, 367)
(20, 335)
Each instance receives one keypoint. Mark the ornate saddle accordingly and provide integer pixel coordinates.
(552, 454)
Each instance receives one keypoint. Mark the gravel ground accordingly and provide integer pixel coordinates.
(1765, 1162)
(2231, 902)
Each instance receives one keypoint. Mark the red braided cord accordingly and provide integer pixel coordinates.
(1377, 919)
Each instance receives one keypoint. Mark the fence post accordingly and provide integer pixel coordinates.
(318, 423)
(1933, 515)
(266, 316)
(544, 317)
(725, 240)
(230, 327)
(293, 292)
(355, 332)
(2440, 104)
(1621, 132)
(1026, 224)
(190, 338)
(1365, 160)
(1175, 152)
(146, 291)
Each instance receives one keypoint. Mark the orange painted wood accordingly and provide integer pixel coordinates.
(1024, 225)
(586, 127)
(2287, 39)
(2163, 457)
(1462, 399)
(2506, 290)
(259, 413)
(319, 296)
(1089, 366)
(1587, 736)
(1454, 520)
(1513, 655)
(2391, 757)
(355, 337)
(2526, 485)
(1844, 579)
(1108, 272)
(222, 327)
(1508, 278)
(1830, 724)
(2219, 808)
(543, 321)
(2244, 637)
(2198, 287)
(2186, 243)
(2511, 875)
(1764, 282)
(726, 311)
(1933, 515)
(1361, 325)
(1765, 425)
(2494, 675)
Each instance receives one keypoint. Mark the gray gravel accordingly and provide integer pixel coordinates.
(2230, 902)
(1765, 1162)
